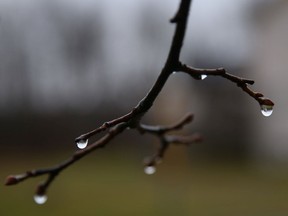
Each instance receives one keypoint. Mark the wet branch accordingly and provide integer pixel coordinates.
(243, 83)
(164, 129)
(161, 132)
(52, 172)
(132, 119)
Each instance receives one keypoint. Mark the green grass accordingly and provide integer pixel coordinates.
(114, 185)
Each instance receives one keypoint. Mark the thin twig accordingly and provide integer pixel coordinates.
(164, 129)
(52, 172)
(166, 140)
(239, 81)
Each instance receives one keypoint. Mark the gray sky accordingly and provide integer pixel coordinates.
(217, 28)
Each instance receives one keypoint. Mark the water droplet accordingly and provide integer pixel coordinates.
(174, 72)
(81, 144)
(40, 199)
(149, 170)
(267, 110)
(203, 76)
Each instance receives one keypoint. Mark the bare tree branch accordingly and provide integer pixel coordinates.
(164, 129)
(166, 140)
(240, 82)
(133, 118)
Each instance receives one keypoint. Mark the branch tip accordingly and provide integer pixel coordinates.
(41, 189)
(265, 101)
(11, 180)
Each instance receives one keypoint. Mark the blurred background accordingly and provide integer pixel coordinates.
(68, 66)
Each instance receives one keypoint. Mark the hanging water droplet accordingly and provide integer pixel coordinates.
(40, 199)
(81, 144)
(149, 170)
(203, 76)
(266, 110)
